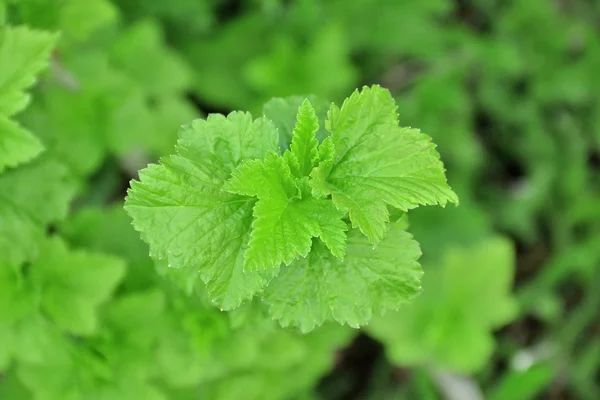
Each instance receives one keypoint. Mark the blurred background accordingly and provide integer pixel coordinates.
(508, 89)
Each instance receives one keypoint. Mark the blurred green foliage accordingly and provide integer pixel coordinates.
(507, 89)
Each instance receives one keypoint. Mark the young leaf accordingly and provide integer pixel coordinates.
(283, 112)
(188, 220)
(23, 53)
(319, 174)
(286, 218)
(369, 280)
(303, 155)
(17, 145)
(377, 163)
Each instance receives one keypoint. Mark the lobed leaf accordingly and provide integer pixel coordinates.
(369, 280)
(377, 163)
(17, 145)
(23, 53)
(185, 216)
(285, 217)
(302, 155)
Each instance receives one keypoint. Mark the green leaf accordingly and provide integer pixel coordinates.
(283, 112)
(109, 230)
(187, 219)
(285, 218)
(17, 145)
(377, 163)
(320, 173)
(130, 316)
(450, 325)
(81, 18)
(31, 197)
(270, 178)
(142, 45)
(371, 279)
(38, 340)
(321, 64)
(7, 340)
(65, 119)
(74, 284)
(302, 155)
(23, 53)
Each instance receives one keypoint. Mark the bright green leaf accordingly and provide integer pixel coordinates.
(283, 112)
(285, 218)
(370, 280)
(188, 220)
(17, 145)
(302, 155)
(23, 53)
(377, 163)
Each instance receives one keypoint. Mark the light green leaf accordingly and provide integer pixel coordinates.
(23, 53)
(377, 163)
(142, 45)
(38, 340)
(17, 145)
(320, 287)
(286, 218)
(283, 112)
(31, 197)
(64, 120)
(320, 173)
(450, 325)
(187, 219)
(302, 155)
(74, 283)
(109, 230)
(270, 178)
(81, 18)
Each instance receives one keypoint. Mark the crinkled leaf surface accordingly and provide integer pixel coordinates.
(302, 155)
(286, 218)
(185, 216)
(377, 163)
(370, 279)
(232, 218)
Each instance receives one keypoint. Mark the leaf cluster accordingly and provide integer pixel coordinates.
(233, 212)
